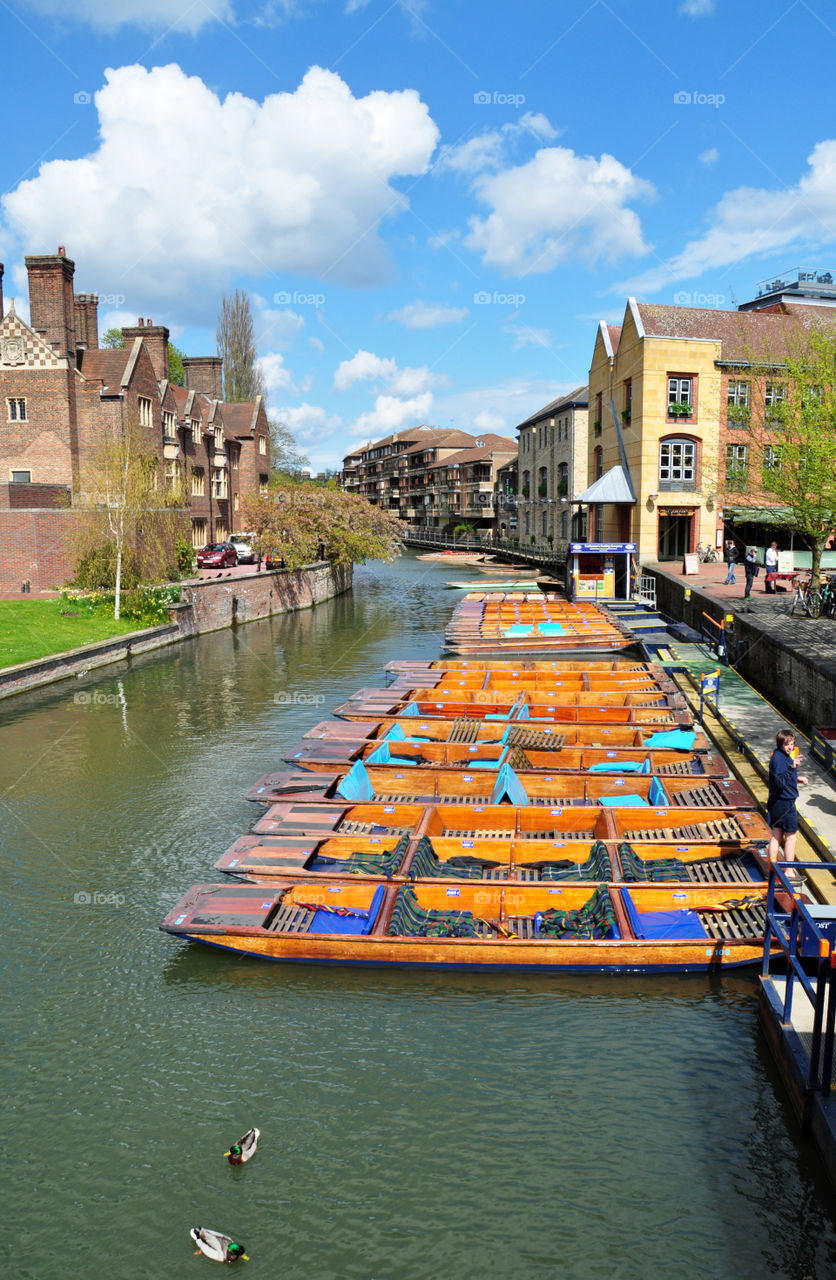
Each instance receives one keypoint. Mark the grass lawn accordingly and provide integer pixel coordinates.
(31, 629)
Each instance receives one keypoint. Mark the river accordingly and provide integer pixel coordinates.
(414, 1125)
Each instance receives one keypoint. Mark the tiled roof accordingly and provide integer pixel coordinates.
(438, 438)
(239, 417)
(744, 335)
(614, 331)
(493, 444)
(579, 396)
(105, 363)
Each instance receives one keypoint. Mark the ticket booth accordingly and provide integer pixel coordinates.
(600, 570)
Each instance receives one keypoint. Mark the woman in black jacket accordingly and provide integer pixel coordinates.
(751, 569)
(732, 557)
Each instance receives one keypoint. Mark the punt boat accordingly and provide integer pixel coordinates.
(551, 706)
(486, 622)
(546, 737)
(263, 859)
(402, 785)
(538, 823)
(539, 927)
(558, 667)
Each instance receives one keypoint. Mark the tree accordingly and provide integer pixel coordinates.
(243, 379)
(126, 511)
(789, 466)
(302, 522)
(286, 459)
(112, 339)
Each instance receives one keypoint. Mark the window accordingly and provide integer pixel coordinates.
(599, 523)
(564, 524)
(220, 529)
(677, 464)
(599, 462)
(168, 423)
(543, 483)
(198, 481)
(739, 394)
(194, 423)
(262, 483)
(628, 400)
(545, 523)
(774, 397)
(599, 412)
(563, 478)
(172, 474)
(526, 483)
(772, 458)
(21, 477)
(262, 445)
(680, 397)
(236, 502)
(219, 439)
(16, 408)
(737, 465)
(219, 482)
(198, 533)
(145, 419)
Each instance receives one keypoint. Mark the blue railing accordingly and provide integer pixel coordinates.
(798, 937)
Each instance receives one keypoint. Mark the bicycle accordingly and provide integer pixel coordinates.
(828, 597)
(809, 601)
(707, 555)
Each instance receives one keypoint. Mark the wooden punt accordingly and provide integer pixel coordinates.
(400, 785)
(264, 859)
(558, 667)
(529, 822)
(526, 621)
(537, 927)
(464, 729)
(322, 756)
(565, 707)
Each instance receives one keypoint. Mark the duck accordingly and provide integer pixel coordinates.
(215, 1245)
(245, 1148)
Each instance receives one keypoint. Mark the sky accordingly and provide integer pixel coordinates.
(430, 204)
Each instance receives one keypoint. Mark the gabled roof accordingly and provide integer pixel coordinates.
(613, 486)
(481, 453)
(579, 397)
(108, 365)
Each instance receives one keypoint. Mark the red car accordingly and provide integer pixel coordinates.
(219, 555)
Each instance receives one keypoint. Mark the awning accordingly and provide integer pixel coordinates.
(613, 486)
(758, 515)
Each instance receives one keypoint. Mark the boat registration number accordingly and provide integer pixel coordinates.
(555, 813)
(388, 808)
(467, 844)
(453, 893)
(334, 888)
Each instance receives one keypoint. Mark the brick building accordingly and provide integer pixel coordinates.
(60, 394)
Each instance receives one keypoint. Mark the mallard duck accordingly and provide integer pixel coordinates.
(218, 1247)
(245, 1148)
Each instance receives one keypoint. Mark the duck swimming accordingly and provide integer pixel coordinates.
(245, 1148)
(218, 1247)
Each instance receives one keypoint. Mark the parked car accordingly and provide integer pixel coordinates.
(243, 544)
(217, 555)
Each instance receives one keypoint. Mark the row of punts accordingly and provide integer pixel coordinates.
(489, 813)
(506, 621)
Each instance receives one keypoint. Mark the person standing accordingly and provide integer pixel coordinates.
(771, 562)
(751, 568)
(732, 557)
(781, 813)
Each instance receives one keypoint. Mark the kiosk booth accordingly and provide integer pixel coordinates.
(600, 570)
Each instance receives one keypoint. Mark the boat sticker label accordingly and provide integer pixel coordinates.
(661, 813)
(473, 748)
(180, 919)
(555, 813)
(683, 848)
(233, 862)
(618, 782)
(467, 844)
(611, 755)
(388, 808)
(374, 839)
(558, 844)
(423, 726)
(718, 951)
(334, 888)
(400, 775)
(478, 808)
(467, 777)
(680, 897)
(267, 904)
(549, 777)
(551, 891)
(453, 893)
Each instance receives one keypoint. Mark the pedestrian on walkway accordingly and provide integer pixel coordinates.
(771, 562)
(732, 557)
(781, 813)
(751, 568)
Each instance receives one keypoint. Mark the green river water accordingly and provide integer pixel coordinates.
(414, 1125)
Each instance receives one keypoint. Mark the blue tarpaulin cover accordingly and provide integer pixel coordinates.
(627, 766)
(684, 923)
(628, 801)
(508, 787)
(356, 785)
(681, 739)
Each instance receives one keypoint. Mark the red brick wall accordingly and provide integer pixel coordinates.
(51, 300)
(38, 546)
(44, 444)
(37, 496)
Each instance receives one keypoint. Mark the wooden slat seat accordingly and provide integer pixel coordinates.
(291, 919)
(535, 739)
(718, 871)
(709, 795)
(735, 925)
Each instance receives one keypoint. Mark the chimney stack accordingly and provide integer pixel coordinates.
(155, 337)
(87, 321)
(51, 301)
(204, 373)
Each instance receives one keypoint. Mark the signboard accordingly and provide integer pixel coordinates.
(785, 562)
(676, 511)
(692, 563)
(600, 548)
(710, 683)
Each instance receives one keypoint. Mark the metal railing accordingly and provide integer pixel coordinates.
(797, 937)
(647, 590)
(714, 635)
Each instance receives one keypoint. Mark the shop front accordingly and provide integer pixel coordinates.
(600, 570)
(675, 532)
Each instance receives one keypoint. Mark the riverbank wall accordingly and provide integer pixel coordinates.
(766, 648)
(208, 605)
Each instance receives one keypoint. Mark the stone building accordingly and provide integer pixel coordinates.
(552, 470)
(60, 394)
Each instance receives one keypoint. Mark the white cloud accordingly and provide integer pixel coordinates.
(488, 150)
(557, 207)
(390, 413)
(487, 421)
(365, 366)
(298, 183)
(314, 428)
(709, 157)
(526, 336)
(697, 8)
(750, 221)
(317, 344)
(108, 15)
(277, 377)
(274, 328)
(427, 315)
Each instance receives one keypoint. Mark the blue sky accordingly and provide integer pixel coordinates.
(431, 205)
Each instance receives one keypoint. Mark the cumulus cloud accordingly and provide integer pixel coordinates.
(526, 336)
(277, 376)
(365, 366)
(298, 183)
(427, 315)
(751, 221)
(709, 157)
(390, 413)
(555, 208)
(697, 8)
(488, 150)
(108, 15)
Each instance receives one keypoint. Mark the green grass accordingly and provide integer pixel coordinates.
(32, 629)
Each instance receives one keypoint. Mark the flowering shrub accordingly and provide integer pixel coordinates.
(146, 605)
